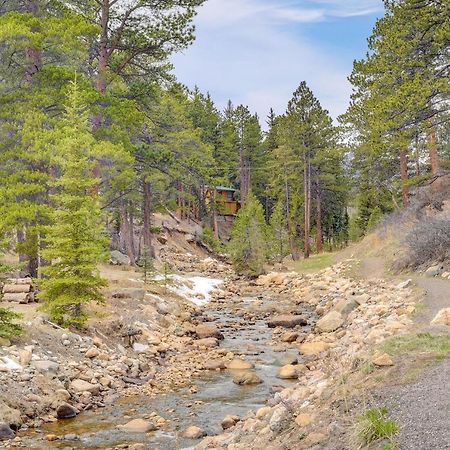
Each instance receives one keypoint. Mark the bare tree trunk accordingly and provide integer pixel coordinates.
(147, 211)
(319, 239)
(127, 230)
(307, 195)
(214, 212)
(404, 177)
(433, 151)
(103, 60)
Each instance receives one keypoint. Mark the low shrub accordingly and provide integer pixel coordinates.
(374, 425)
(8, 327)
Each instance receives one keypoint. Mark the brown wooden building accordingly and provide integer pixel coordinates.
(226, 202)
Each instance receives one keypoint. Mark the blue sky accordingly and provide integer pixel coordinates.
(256, 52)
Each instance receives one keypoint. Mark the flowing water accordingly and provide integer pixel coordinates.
(217, 396)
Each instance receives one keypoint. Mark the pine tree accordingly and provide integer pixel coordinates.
(279, 232)
(74, 240)
(249, 239)
(8, 327)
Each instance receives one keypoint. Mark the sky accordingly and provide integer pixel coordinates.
(256, 52)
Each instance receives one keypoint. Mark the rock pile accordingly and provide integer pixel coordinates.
(350, 318)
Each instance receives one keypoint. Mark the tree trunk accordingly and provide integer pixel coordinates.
(147, 211)
(33, 55)
(319, 239)
(433, 151)
(307, 190)
(214, 212)
(404, 177)
(127, 230)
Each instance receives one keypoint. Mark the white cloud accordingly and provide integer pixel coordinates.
(254, 52)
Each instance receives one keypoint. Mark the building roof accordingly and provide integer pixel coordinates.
(223, 188)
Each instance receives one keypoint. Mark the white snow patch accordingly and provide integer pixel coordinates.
(195, 289)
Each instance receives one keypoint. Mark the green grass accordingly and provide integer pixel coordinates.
(418, 343)
(313, 263)
(374, 425)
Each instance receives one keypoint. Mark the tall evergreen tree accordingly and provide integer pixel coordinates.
(249, 239)
(75, 242)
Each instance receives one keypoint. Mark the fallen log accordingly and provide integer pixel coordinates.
(16, 288)
(21, 297)
(26, 280)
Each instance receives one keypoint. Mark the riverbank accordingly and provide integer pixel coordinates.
(305, 341)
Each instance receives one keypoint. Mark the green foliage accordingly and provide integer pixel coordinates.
(209, 239)
(279, 232)
(8, 327)
(373, 425)
(248, 246)
(146, 264)
(74, 240)
(374, 218)
(354, 231)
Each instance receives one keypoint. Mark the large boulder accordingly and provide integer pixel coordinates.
(66, 411)
(383, 360)
(313, 348)
(138, 426)
(10, 415)
(230, 421)
(45, 366)
(119, 259)
(6, 432)
(288, 372)
(287, 321)
(330, 322)
(239, 364)
(194, 433)
(80, 386)
(442, 317)
(208, 331)
(246, 378)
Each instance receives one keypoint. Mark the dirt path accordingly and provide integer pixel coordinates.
(423, 408)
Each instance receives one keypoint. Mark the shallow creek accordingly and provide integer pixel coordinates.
(216, 397)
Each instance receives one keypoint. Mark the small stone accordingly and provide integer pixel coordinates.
(287, 321)
(46, 366)
(313, 348)
(383, 360)
(263, 411)
(66, 411)
(78, 385)
(442, 317)
(230, 421)
(194, 432)
(404, 284)
(246, 378)
(92, 353)
(330, 322)
(208, 331)
(288, 372)
(51, 437)
(303, 420)
(239, 364)
(138, 426)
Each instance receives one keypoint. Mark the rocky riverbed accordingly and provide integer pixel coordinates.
(261, 360)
